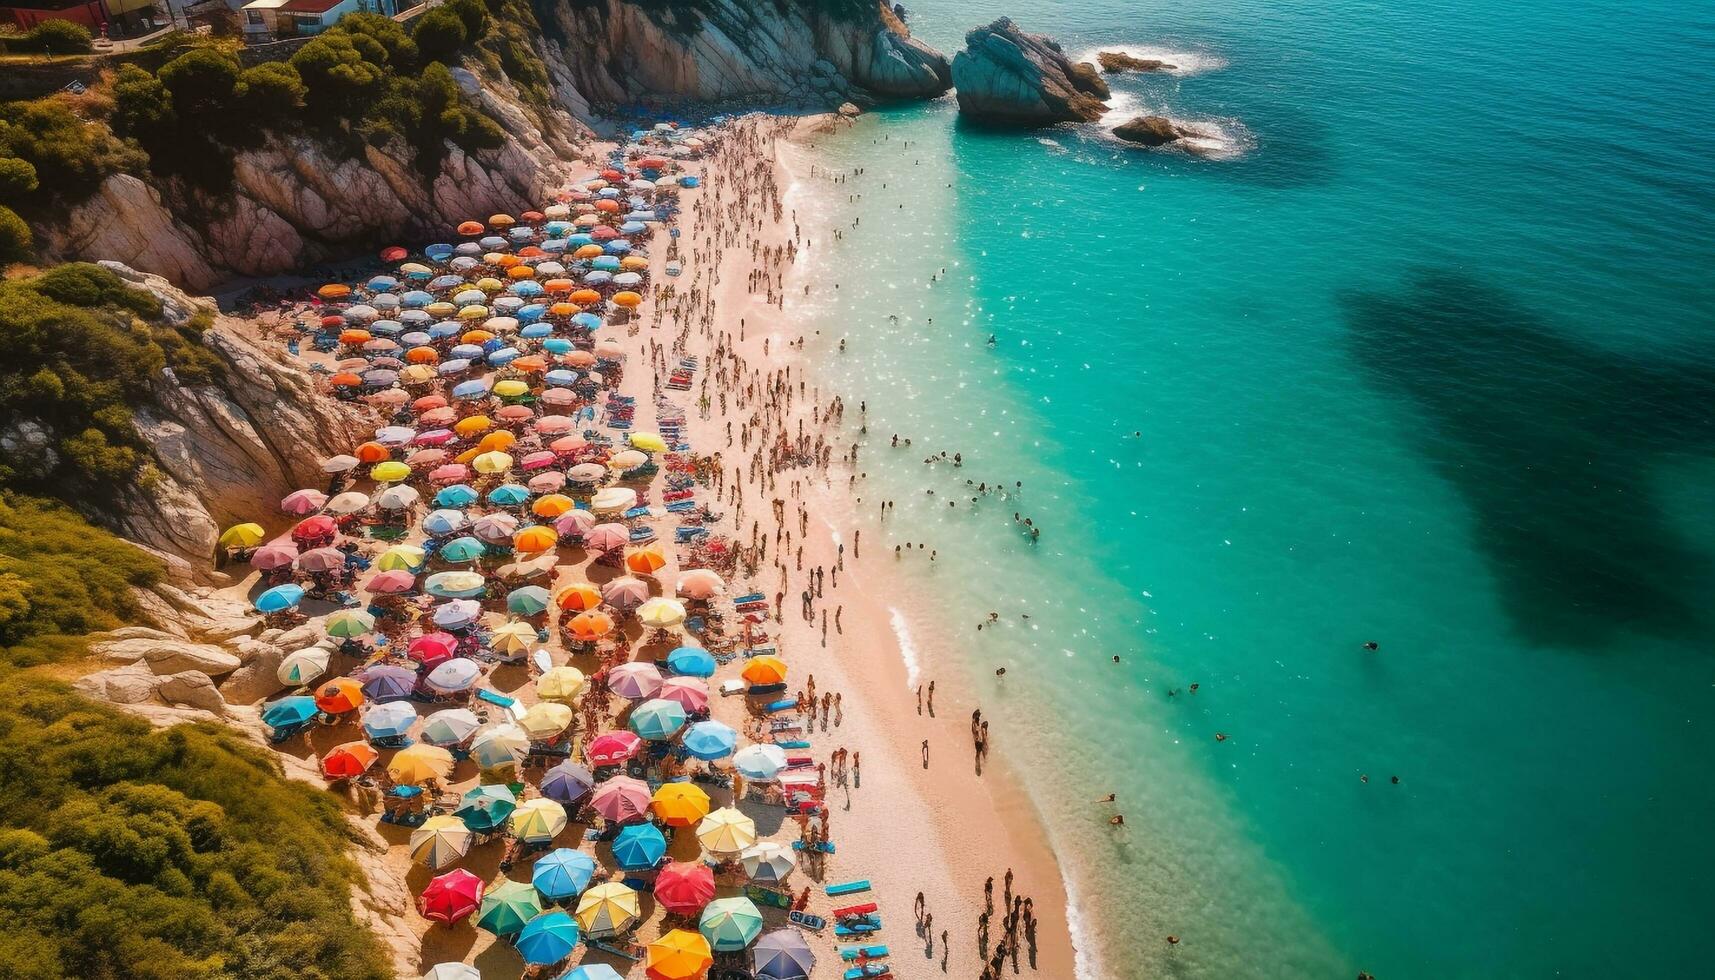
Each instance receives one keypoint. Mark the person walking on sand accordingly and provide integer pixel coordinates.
(931, 697)
(925, 753)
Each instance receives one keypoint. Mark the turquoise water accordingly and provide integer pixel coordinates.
(1429, 361)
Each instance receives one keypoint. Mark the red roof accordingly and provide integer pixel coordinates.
(309, 6)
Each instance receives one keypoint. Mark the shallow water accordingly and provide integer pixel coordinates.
(1429, 363)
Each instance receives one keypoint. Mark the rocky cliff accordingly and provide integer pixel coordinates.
(1006, 76)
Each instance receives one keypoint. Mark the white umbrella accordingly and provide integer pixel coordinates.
(768, 861)
(304, 666)
(397, 498)
(760, 762)
(452, 676)
(450, 726)
(453, 971)
(349, 502)
(501, 745)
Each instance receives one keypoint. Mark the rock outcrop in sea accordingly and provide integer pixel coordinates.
(1157, 131)
(1115, 62)
(1007, 76)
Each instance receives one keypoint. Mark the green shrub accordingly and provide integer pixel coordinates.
(337, 79)
(440, 35)
(60, 575)
(203, 85)
(17, 178)
(272, 93)
(71, 154)
(474, 15)
(15, 238)
(56, 37)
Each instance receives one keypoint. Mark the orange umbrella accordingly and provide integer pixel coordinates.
(422, 355)
(579, 596)
(607, 204)
(586, 297)
(497, 442)
(353, 336)
(645, 561)
(501, 220)
(520, 271)
(591, 625)
(559, 285)
(471, 228)
(351, 760)
(334, 290)
(374, 452)
(529, 363)
(339, 695)
(565, 309)
(627, 299)
(345, 379)
(587, 252)
(536, 539)
(679, 955)
(764, 670)
(507, 261)
(476, 337)
(552, 505)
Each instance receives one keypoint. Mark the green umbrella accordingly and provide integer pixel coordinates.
(527, 601)
(462, 549)
(506, 908)
(730, 924)
(350, 623)
(658, 720)
(485, 808)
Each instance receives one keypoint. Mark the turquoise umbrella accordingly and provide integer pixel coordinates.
(548, 938)
(485, 808)
(639, 846)
(592, 971)
(658, 720)
(730, 924)
(509, 495)
(462, 549)
(562, 873)
(709, 740)
(280, 598)
(287, 712)
(528, 601)
(692, 662)
(457, 495)
(507, 907)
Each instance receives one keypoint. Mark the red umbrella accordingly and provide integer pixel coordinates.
(348, 761)
(613, 747)
(451, 897)
(311, 528)
(429, 403)
(391, 582)
(622, 799)
(684, 887)
(432, 648)
(393, 253)
(272, 556)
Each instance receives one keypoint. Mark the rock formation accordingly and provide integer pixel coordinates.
(1007, 76)
(1154, 131)
(1119, 61)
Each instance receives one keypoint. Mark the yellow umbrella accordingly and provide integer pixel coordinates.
(661, 613)
(649, 442)
(440, 841)
(538, 820)
(513, 639)
(473, 424)
(511, 388)
(607, 909)
(440, 308)
(634, 263)
(679, 955)
(560, 683)
(391, 471)
(242, 536)
(420, 763)
(492, 463)
(473, 312)
(418, 373)
(680, 804)
(552, 505)
(764, 670)
(489, 284)
(401, 557)
(726, 831)
(546, 719)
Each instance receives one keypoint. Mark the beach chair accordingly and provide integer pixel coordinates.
(859, 927)
(797, 743)
(849, 887)
(805, 920)
(854, 911)
(875, 951)
(869, 971)
(784, 704)
(813, 846)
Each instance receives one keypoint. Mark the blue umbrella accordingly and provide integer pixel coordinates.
(691, 661)
(548, 938)
(466, 351)
(587, 320)
(470, 390)
(521, 233)
(781, 955)
(457, 495)
(386, 327)
(639, 846)
(525, 287)
(280, 598)
(592, 971)
(508, 495)
(606, 263)
(504, 355)
(710, 740)
(441, 329)
(528, 600)
(464, 548)
(658, 719)
(562, 873)
(389, 683)
(382, 284)
(445, 521)
(457, 365)
(438, 252)
(530, 312)
(416, 298)
(415, 338)
(493, 243)
(597, 278)
(561, 378)
(579, 240)
(287, 712)
(618, 246)
(536, 331)
(446, 282)
(556, 229)
(567, 783)
(632, 227)
(389, 720)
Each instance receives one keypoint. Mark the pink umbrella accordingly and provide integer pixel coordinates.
(438, 417)
(547, 482)
(495, 528)
(690, 693)
(301, 503)
(569, 444)
(435, 437)
(635, 681)
(587, 473)
(450, 473)
(515, 413)
(574, 523)
(321, 560)
(621, 799)
(625, 593)
(423, 459)
(549, 424)
(272, 556)
(391, 582)
(701, 583)
(559, 396)
(538, 460)
(432, 648)
(606, 537)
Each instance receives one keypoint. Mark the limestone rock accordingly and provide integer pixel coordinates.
(1009, 77)
(191, 689)
(131, 684)
(166, 654)
(1119, 61)
(1155, 131)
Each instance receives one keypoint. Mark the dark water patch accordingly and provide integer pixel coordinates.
(1553, 444)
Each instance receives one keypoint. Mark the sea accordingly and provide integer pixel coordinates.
(1418, 352)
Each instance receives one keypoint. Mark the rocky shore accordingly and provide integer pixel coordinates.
(1009, 77)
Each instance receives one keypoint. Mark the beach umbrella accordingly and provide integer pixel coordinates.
(607, 909)
(432, 648)
(287, 712)
(680, 804)
(691, 693)
(615, 500)
(453, 971)
(700, 583)
(494, 528)
(768, 862)
(321, 560)
(457, 495)
(587, 473)
(451, 896)
(730, 924)
(397, 498)
(649, 442)
(634, 681)
(280, 598)
(533, 540)
(538, 821)
(453, 676)
(606, 537)
(726, 832)
(626, 460)
(610, 748)
(348, 624)
(562, 873)
(302, 503)
(638, 847)
(551, 505)
(760, 762)
(462, 549)
(389, 720)
(684, 887)
(455, 585)
(513, 639)
(273, 556)
(445, 521)
(502, 745)
(456, 613)
(622, 799)
(560, 683)
(709, 740)
(528, 600)
(391, 471)
(691, 661)
(678, 955)
(548, 938)
(440, 841)
(546, 720)
(484, 809)
(764, 670)
(304, 666)
(350, 502)
(590, 626)
(450, 726)
(625, 593)
(492, 463)
(339, 695)
(548, 482)
(661, 613)
(348, 761)
(384, 684)
(418, 764)
(567, 782)
(578, 597)
(336, 464)
(392, 582)
(401, 557)
(507, 907)
(782, 954)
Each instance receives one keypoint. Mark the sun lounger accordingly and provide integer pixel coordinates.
(765, 690)
(729, 688)
(759, 652)
(854, 911)
(819, 848)
(492, 697)
(871, 971)
(784, 704)
(797, 743)
(860, 928)
(630, 951)
(805, 920)
(875, 951)
(849, 887)
(681, 506)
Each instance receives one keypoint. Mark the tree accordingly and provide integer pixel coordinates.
(203, 84)
(17, 178)
(440, 35)
(474, 15)
(272, 92)
(337, 80)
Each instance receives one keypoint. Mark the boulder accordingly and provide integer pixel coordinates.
(259, 676)
(131, 684)
(191, 689)
(1155, 131)
(1009, 77)
(1119, 61)
(166, 654)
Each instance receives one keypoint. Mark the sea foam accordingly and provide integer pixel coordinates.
(1184, 61)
